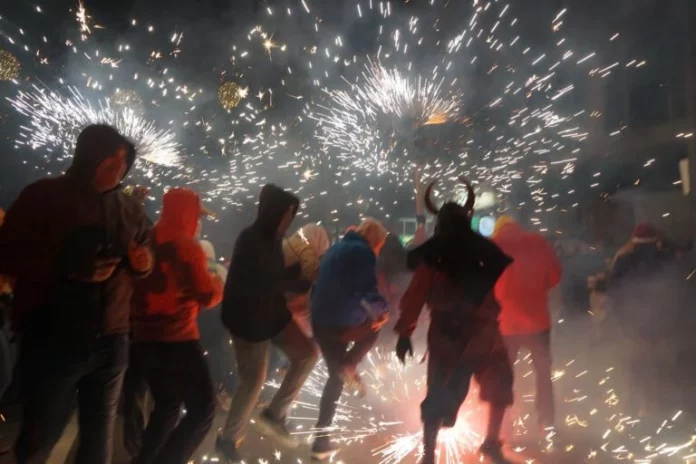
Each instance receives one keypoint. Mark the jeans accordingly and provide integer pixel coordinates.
(252, 365)
(136, 407)
(53, 371)
(333, 342)
(539, 345)
(178, 375)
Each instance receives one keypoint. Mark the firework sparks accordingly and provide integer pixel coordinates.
(56, 120)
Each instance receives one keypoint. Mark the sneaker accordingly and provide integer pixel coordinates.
(276, 429)
(353, 382)
(493, 450)
(228, 451)
(323, 449)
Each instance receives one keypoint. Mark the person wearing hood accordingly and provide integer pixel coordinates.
(166, 338)
(347, 308)
(645, 290)
(73, 245)
(523, 294)
(454, 275)
(255, 312)
(306, 246)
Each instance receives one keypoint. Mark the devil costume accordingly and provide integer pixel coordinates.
(455, 272)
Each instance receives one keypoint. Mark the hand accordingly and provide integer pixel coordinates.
(103, 269)
(140, 193)
(140, 257)
(378, 323)
(404, 347)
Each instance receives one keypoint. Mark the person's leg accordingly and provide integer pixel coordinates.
(495, 377)
(513, 345)
(98, 395)
(432, 420)
(48, 374)
(333, 349)
(135, 391)
(252, 365)
(302, 354)
(540, 348)
(196, 390)
(155, 362)
(364, 339)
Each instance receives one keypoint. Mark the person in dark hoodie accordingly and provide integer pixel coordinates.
(255, 312)
(455, 274)
(167, 346)
(73, 244)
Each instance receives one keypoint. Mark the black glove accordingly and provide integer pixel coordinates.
(404, 347)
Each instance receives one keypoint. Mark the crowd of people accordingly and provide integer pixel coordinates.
(108, 305)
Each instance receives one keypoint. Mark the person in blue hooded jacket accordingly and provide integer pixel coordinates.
(346, 308)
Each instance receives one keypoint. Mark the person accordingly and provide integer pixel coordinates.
(306, 246)
(646, 291)
(73, 244)
(523, 294)
(166, 337)
(455, 272)
(215, 339)
(136, 400)
(256, 314)
(346, 308)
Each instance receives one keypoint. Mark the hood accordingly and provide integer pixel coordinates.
(94, 144)
(505, 225)
(373, 231)
(273, 203)
(353, 236)
(208, 249)
(181, 209)
(316, 237)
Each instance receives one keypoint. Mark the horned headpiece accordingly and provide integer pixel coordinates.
(470, 199)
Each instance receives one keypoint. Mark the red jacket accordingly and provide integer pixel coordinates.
(522, 290)
(166, 304)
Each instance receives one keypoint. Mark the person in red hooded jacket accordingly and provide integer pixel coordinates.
(165, 332)
(522, 293)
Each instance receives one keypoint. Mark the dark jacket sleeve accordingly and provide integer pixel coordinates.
(140, 230)
(21, 236)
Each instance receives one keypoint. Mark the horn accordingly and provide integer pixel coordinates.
(470, 197)
(428, 200)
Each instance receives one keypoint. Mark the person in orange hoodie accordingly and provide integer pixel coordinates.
(522, 293)
(165, 332)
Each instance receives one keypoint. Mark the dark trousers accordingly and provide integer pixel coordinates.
(54, 371)
(136, 407)
(333, 343)
(539, 345)
(178, 375)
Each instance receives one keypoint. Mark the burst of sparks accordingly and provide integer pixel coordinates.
(56, 119)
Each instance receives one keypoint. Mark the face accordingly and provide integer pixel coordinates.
(111, 171)
(285, 221)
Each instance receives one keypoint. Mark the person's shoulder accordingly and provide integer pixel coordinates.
(189, 247)
(45, 186)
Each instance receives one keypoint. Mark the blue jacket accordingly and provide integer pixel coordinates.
(347, 275)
